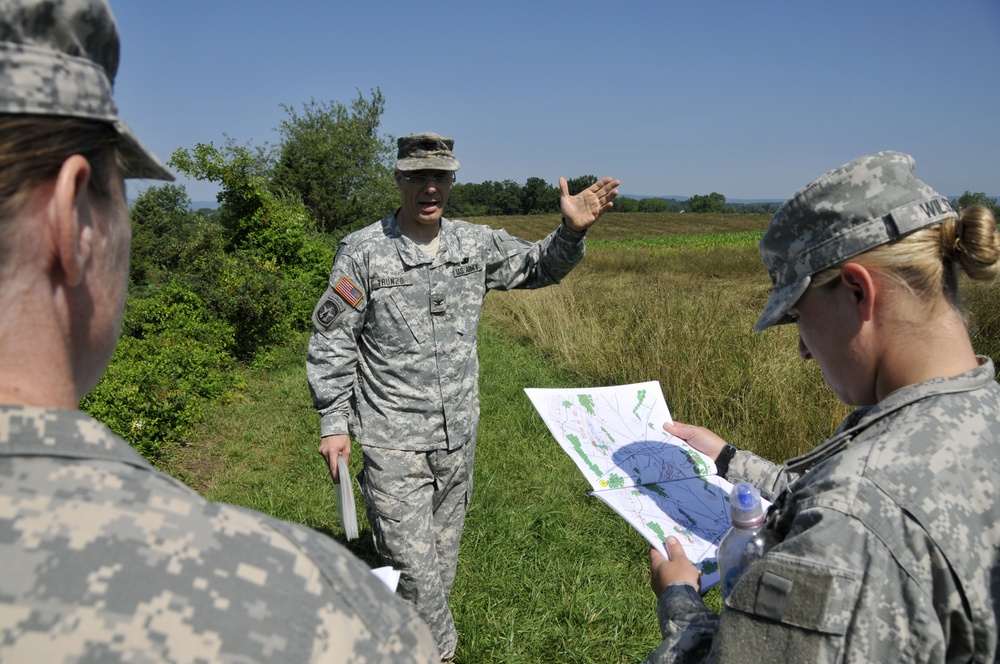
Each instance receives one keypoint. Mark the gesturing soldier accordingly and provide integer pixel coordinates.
(392, 359)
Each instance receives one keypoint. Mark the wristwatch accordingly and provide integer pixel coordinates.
(722, 461)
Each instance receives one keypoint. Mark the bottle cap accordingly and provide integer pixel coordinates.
(745, 507)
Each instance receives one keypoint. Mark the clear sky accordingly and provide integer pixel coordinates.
(751, 99)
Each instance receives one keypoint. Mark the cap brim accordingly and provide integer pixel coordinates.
(139, 162)
(435, 163)
(782, 299)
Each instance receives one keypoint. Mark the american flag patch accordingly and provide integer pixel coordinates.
(347, 290)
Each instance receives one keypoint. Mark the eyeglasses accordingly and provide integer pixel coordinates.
(440, 178)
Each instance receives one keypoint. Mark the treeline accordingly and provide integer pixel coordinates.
(536, 196)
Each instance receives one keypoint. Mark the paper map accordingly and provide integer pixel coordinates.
(657, 482)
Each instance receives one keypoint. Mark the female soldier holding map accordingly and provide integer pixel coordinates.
(882, 542)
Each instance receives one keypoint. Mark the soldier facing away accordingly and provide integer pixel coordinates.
(103, 558)
(392, 360)
(882, 543)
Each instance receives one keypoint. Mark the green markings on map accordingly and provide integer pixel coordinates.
(655, 488)
(656, 528)
(641, 396)
(615, 481)
(587, 402)
(709, 567)
(700, 467)
(610, 437)
(578, 446)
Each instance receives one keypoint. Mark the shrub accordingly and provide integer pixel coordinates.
(171, 361)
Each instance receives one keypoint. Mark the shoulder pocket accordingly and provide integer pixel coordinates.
(794, 610)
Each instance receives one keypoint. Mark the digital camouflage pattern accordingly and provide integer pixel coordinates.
(426, 151)
(105, 559)
(863, 204)
(882, 544)
(416, 505)
(398, 369)
(59, 58)
(410, 341)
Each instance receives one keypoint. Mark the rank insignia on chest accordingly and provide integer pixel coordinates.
(347, 290)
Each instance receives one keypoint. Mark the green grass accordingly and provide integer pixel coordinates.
(632, 225)
(544, 569)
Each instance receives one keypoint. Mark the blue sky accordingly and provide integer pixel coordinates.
(748, 99)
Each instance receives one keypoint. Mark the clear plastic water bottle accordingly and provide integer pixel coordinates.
(744, 543)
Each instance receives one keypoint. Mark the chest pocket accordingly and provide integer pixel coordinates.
(392, 324)
(466, 288)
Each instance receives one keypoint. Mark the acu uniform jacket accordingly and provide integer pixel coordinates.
(392, 359)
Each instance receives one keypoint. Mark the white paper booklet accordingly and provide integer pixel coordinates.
(657, 482)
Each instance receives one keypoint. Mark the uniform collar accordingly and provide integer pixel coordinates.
(411, 255)
(53, 432)
(864, 417)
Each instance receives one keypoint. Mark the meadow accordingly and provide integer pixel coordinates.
(546, 572)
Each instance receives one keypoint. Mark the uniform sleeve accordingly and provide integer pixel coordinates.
(769, 478)
(384, 629)
(333, 348)
(515, 263)
(687, 626)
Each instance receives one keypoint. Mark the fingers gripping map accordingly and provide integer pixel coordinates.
(657, 482)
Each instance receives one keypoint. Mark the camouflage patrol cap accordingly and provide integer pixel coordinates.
(59, 58)
(426, 151)
(869, 202)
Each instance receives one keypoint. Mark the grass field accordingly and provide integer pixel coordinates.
(547, 573)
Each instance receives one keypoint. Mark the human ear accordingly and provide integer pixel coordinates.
(71, 217)
(862, 286)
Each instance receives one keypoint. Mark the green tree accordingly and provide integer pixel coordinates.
(714, 202)
(161, 221)
(625, 204)
(976, 198)
(652, 205)
(506, 199)
(241, 171)
(335, 160)
(538, 197)
(578, 184)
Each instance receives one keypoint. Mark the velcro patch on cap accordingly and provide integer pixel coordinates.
(347, 290)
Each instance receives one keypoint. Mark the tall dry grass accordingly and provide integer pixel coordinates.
(684, 318)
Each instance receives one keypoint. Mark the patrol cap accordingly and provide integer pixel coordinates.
(866, 203)
(59, 58)
(426, 151)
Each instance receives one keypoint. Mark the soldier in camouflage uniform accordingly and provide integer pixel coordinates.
(103, 558)
(392, 360)
(882, 544)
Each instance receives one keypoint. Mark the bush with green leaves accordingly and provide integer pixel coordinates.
(172, 360)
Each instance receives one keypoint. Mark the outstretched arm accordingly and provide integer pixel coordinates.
(581, 211)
